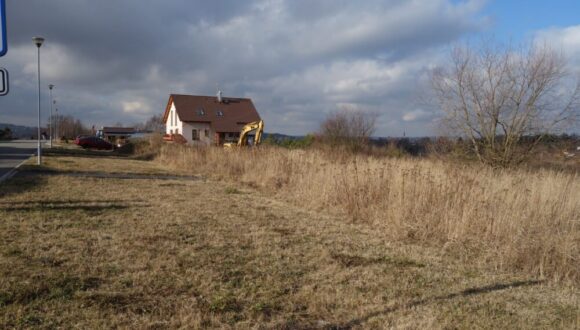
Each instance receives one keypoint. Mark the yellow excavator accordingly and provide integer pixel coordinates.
(257, 126)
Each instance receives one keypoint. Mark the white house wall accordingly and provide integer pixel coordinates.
(200, 127)
(177, 126)
(186, 128)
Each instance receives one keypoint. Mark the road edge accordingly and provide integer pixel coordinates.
(13, 171)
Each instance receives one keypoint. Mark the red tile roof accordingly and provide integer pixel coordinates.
(228, 116)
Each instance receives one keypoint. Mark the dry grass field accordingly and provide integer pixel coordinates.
(525, 221)
(285, 240)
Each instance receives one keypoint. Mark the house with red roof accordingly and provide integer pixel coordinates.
(207, 120)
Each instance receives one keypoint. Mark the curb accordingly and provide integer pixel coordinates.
(13, 171)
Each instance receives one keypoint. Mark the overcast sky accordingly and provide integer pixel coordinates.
(118, 61)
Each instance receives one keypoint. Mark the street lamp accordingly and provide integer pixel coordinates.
(38, 42)
(56, 123)
(55, 120)
(50, 87)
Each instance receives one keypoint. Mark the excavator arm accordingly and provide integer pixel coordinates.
(257, 126)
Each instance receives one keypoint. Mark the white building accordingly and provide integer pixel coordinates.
(207, 120)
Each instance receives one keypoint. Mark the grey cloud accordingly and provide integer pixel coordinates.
(298, 60)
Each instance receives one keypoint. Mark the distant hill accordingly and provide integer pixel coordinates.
(20, 132)
(278, 136)
(376, 140)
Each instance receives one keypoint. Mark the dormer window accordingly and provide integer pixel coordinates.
(200, 112)
(219, 113)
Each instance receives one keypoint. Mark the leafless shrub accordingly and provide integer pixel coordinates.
(147, 148)
(349, 128)
(495, 96)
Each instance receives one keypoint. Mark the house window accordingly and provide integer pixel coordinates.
(177, 131)
(171, 132)
(171, 115)
(219, 113)
(200, 112)
(195, 135)
(207, 133)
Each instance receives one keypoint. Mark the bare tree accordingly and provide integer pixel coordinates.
(69, 127)
(499, 96)
(351, 128)
(153, 124)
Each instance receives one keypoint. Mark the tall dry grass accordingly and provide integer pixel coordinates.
(514, 220)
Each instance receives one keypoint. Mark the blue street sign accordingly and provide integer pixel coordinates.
(3, 82)
(3, 42)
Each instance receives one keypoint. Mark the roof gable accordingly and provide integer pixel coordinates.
(226, 116)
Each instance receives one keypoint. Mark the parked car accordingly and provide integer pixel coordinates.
(93, 142)
(79, 137)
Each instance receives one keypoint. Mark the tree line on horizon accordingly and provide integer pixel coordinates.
(499, 103)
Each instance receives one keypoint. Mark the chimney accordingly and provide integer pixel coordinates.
(219, 96)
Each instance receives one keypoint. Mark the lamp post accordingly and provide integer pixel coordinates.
(56, 121)
(50, 87)
(38, 42)
(56, 124)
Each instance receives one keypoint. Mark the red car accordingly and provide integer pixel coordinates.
(92, 142)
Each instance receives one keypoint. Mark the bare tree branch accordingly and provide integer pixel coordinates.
(348, 127)
(496, 95)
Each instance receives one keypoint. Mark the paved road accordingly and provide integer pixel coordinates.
(13, 153)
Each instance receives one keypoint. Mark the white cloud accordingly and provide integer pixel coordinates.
(134, 107)
(297, 59)
(567, 39)
(417, 115)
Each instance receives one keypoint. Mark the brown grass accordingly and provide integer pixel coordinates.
(513, 220)
(83, 250)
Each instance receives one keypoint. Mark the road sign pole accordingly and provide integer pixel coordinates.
(3, 35)
(3, 48)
